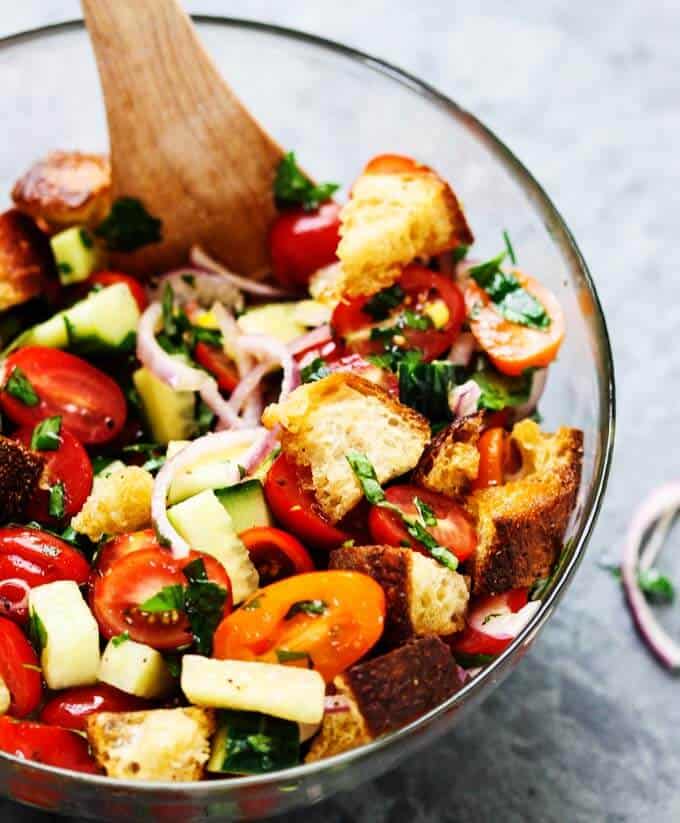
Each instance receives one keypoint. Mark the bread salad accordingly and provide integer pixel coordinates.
(248, 523)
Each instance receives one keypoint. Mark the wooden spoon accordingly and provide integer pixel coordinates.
(181, 141)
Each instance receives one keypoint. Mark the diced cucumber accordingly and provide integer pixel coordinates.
(76, 254)
(69, 635)
(136, 669)
(252, 743)
(169, 414)
(274, 319)
(105, 320)
(198, 478)
(206, 525)
(312, 313)
(245, 504)
(289, 692)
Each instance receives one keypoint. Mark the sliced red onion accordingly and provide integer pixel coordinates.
(317, 337)
(507, 624)
(664, 499)
(336, 704)
(538, 381)
(14, 598)
(227, 418)
(463, 399)
(203, 261)
(209, 445)
(463, 349)
(179, 376)
(202, 286)
(275, 353)
(231, 339)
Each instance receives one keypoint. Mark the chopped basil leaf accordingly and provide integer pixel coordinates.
(426, 514)
(500, 391)
(119, 639)
(473, 661)
(168, 307)
(37, 632)
(542, 586)
(19, 386)
(153, 464)
(189, 279)
(509, 248)
(213, 337)
(365, 474)
(460, 253)
(205, 417)
(425, 387)
(168, 599)
(491, 617)
(204, 605)
(285, 656)
(293, 188)
(100, 462)
(656, 587)
(86, 238)
(419, 322)
(64, 267)
(316, 370)
(71, 339)
(129, 226)
(45, 435)
(174, 664)
(381, 304)
(56, 503)
(147, 449)
(310, 607)
(394, 357)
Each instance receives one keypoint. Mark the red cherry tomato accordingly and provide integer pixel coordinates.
(356, 364)
(276, 554)
(14, 600)
(39, 557)
(295, 507)
(122, 545)
(46, 744)
(421, 286)
(110, 278)
(136, 578)
(69, 465)
(479, 636)
(454, 529)
(19, 669)
(70, 709)
(90, 403)
(301, 242)
(214, 360)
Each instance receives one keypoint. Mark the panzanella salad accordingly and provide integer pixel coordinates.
(252, 523)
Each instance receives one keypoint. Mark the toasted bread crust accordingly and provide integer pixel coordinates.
(451, 462)
(26, 261)
(20, 471)
(66, 188)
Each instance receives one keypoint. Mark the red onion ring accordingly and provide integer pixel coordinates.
(10, 606)
(538, 381)
(170, 370)
(207, 288)
(203, 261)
(463, 399)
(664, 499)
(277, 353)
(505, 624)
(462, 350)
(317, 337)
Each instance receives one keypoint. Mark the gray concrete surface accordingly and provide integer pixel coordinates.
(588, 96)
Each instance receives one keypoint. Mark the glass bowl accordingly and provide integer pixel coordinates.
(336, 107)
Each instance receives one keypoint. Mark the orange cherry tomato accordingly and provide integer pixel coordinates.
(324, 620)
(511, 347)
(19, 670)
(276, 554)
(491, 459)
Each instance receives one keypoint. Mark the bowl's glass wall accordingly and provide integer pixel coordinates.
(336, 111)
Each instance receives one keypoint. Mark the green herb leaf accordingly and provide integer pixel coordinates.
(656, 587)
(310, 607)
(189, 279)
(426, 514)
(473, 661)
(45, 435)
(129, 226)
(256, 743)
(20, 387)
(285, 656)
(56, 505)
(86, 238)
(119, 639)
(168, 599)
(37, 632)
(365, 474)
(380, 306)
(213, 337)
(174, 664)
(205, 417)
(460, 253)
(204, 604)
(508, 247)
(425, 387)
(316, 370)
(292, 187)
(64, 268)
(500, 391)
(542, 586)
(168, 307)
(419, 322)
(100, 462)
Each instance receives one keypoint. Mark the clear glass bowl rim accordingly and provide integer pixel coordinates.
(568, 247)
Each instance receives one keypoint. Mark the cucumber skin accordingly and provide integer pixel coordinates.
(246, 504)
(233, 753)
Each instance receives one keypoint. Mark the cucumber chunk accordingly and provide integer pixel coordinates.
(169, 414)
(135, 668)
(252, 743)
(76, 255)
(274, 319)
(245, 504)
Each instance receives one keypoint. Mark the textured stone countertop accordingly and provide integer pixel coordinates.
(588, 96)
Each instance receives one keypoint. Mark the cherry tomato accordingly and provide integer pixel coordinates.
(491, 459)
(110, 278)
(69, 465)
(136, 578)
(91, 405)
(421, 286)
(14, 600)
(276, 554)
(454, 529)
(70, 709)
(301, 242)
(327, 620)
(39, 557)
(511, 347)
(124, 544)
(480, 636)
(19, 669)
(46, 744)
(295, 506)
(214, 360)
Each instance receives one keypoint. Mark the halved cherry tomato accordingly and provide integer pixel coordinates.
(421, 286)
(69, 465)
(110, 278)
(52, 746)
(301, 242)
(454, 529)
(124, 544)
(70, 709)
(295, 507)
(479, 636)
(327, 620)
(135, 578)
(491, 459)
(214, 360)
(19, 669)
(511, 347)
(39, 557)
(90, 403)
(14, 600)
(276, 554)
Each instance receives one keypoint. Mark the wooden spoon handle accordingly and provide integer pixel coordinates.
(181, 141)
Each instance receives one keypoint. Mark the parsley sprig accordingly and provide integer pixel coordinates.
(129, 226)
(45, 435)
(293, 188)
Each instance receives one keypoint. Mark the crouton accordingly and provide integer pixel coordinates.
(20, 471)
(119, 502)
(385, 694)
(323, 421)
(451, 462)
(66, 188)
(160, 744)
(26, 261)
(521, 524)
(423, 597)
(398, 211)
